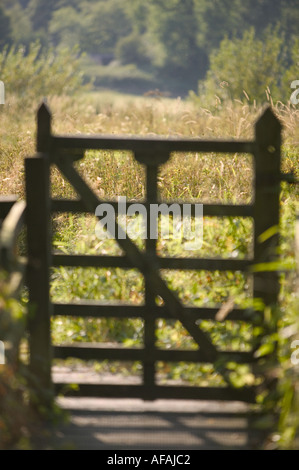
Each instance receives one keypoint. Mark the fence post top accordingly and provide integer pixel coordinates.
(268, 119)
(43, 127)
(43, 109)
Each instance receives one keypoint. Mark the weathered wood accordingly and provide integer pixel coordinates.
(43, 138)
(266, 214)
(266, 204)
(210, 210)
(247, 395)
(100, 309)
(153, 149)
(198, 264)
(100, 352)
(148, 269)
(152, 152)
(150, 299)
(38, 243)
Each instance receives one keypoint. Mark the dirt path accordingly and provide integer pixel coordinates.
(126, 424)
(121, 424)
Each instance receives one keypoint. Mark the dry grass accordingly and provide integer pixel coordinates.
(210, 177)
(108, 113)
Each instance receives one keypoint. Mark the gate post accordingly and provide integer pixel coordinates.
(266, 212)
(37, 177)
(149, 375)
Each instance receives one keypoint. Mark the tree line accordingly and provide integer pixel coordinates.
(170, 38)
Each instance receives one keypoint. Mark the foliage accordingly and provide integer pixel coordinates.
(5, 28)
(292, 73)
(210, 177)
(16, 418)
(175, 38)
(127, 78)
(168, 24)
(133, 49)
(107, 23)
(22, 411)
(287, 431)
(246, 67)
(20, 25)
(40, 12)
(66, 27)
(34, 74)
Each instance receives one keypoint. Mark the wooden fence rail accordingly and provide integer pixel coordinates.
(62, 152)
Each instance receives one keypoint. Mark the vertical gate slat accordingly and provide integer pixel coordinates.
(266, 210)
(149, 321)
(266, 219)
(39, 249)
(266, 204)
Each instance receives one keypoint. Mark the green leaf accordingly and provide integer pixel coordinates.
(264, 350)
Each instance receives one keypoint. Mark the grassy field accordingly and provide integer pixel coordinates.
(188, 177)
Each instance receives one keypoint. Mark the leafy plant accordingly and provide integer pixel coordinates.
(33, 74)
(247, 68)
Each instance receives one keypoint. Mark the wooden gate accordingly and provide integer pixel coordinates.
(62, 151)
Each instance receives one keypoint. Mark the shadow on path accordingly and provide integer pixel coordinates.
(116, 424)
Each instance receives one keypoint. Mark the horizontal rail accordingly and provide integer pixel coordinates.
(247, 395)
(99, 351)
(209, 210)
(205, 264)
(99, 310)
(151, 145)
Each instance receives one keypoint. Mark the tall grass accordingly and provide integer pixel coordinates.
(204, 177)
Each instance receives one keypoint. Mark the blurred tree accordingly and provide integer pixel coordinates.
(66, 27)
(106, 22)
(262, 13)
(173, 23)
(21, 25)
(219, 18)
(37, 73)
(40, 12)
(137, 11)
(292, 73)
(22, 3)
(5, 29)
(133, 49)
(246, 67)
(290, 19)
(173, 37)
